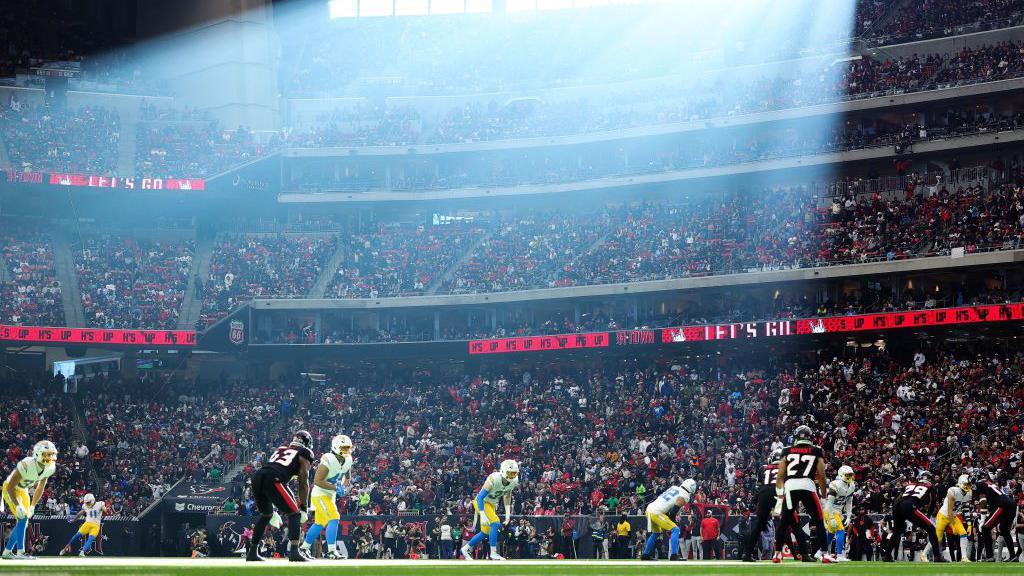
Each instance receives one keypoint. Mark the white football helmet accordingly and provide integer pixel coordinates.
(845, 474)
(509, 469)
(45, 452)
(88, 499)
(690, 487)
(341, 445)
(964, 482)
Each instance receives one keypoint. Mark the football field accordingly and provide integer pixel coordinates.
(233, 567)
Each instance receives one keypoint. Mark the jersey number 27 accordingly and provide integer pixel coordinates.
(795, 461)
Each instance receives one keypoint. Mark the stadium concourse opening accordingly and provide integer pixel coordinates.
(512, 287)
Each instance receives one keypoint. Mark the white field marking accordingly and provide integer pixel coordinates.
(116, 562)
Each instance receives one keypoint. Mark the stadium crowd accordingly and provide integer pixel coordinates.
(145, 438)
(188, 144)
(730, 308)
(140, 282)
(192, 149)
(727, 234)
(43, 139)
(246, 266)
(595, 439)
(684, 151)
(29, 291)
(128, 282)
(34, 408)
(607, 437)
(400, 259)
(939, 18)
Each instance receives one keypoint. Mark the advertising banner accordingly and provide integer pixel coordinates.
(108, 336)
(750, 330)
(101, 181)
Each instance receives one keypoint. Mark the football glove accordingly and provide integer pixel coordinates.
(20, 512)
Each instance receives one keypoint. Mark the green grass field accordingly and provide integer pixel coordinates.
(227, 567)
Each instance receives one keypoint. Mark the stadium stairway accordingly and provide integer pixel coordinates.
(126, 141)
(327, 272)
(82, 436)
(450, 272)
(64, 262)
(5, 158)
(281, 423)
(192, 307)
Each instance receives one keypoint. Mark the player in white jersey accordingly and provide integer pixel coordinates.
(659, 517)
(30, 472)
(329, 483)
(498, 486)
(839, 509)
(93, 511)
(953, 504)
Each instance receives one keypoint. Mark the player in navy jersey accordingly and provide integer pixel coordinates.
(1003, 514)
(764, 504)
(270, 490)
(913, 505)
(801, 483)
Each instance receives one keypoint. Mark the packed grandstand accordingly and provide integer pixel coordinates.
(620, 281)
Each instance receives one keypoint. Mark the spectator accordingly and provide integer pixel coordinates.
(710, 536)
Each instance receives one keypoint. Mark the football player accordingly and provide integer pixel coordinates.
(765, 504)
(498, 485)
(90, 529)
(329, 483)
(913, 506)
(659, 517)
(839, 509)
(270, 490)
(801, 482)
(30, 472)
(949, 515)
(1003, 515)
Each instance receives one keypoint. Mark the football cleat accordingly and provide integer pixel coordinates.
(296, 555)
(777, 557)
(496, 556)
(8, 554)
(467, 552)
